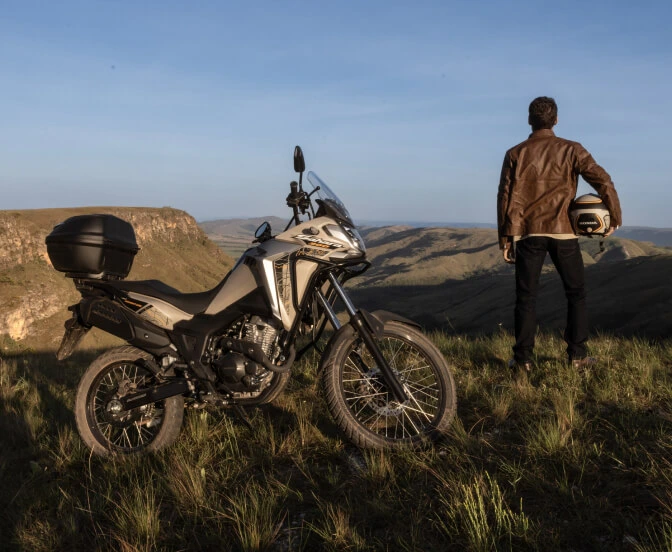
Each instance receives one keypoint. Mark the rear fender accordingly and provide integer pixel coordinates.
(75, 330)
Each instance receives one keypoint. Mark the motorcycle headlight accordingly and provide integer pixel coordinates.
(348, 235)
(356, 236)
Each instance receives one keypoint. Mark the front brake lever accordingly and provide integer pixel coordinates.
(304, 204)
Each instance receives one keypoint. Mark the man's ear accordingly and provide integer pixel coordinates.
(556, 120)
(529, 120)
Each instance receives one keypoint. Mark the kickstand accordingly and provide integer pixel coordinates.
(242, 415)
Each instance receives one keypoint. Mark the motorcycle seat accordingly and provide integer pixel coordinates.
(191, 303)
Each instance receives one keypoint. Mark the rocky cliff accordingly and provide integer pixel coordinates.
(34, 297)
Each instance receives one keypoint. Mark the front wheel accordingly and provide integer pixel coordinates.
(103, 426)
(360, 402)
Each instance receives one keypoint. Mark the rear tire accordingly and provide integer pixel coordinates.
(148, 428)
(360, 403)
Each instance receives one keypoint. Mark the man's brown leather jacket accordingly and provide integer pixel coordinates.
(539, 181)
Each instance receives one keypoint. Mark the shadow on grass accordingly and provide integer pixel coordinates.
(35, 408)
(605, 483)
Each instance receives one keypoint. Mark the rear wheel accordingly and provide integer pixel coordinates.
(104, 426)
(359, 400)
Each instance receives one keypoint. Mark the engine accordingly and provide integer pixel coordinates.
(237, 372)
(259, 332)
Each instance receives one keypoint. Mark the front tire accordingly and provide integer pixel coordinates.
(148, 428)
(360, 402)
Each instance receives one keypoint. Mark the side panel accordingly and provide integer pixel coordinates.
(117, 320)
(281, 268)
(304, 271)
(155, 310)
(306, 242)
(270, 265)
(239, 283)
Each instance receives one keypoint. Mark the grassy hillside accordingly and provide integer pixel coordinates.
(555, 461)
(558, 461)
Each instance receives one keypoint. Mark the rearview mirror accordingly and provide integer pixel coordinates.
(299, 163)
(263, 233)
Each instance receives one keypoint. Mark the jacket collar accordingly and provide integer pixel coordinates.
(542, 133)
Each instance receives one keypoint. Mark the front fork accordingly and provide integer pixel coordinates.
(364, 326)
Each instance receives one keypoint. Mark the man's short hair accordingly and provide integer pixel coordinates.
(543, 113)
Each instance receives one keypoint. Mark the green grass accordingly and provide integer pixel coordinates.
(556, 460)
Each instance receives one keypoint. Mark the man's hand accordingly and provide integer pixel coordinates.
(611, 230)
(508, 252)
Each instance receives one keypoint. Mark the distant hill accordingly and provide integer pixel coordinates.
(435, 251)
(402, 255)
(425, 224)
(415, 256)
(234, 236)
(657, 236)
(630, 297)
(455, 278)
(34, 297)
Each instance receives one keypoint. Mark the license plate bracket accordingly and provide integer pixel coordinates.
(74, 332)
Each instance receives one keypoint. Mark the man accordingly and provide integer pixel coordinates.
(537, 185)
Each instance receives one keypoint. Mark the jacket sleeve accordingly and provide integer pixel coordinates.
(600, 180)
(503, 194)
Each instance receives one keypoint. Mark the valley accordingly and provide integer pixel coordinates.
(454, 279)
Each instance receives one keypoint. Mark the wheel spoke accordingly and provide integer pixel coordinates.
(366, 394)
(419, 409)
(416, 390)
(415, 369)
(395, 353)
(357, 397)
(123, 431)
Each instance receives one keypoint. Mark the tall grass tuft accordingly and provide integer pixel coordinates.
(335, 529)
(135, 516)
(256, 515)
(479, 512)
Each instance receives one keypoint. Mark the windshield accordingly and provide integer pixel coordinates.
(329, 198)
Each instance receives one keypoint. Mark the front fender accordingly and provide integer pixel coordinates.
(376, 323)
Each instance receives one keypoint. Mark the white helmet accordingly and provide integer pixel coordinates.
(589, 216)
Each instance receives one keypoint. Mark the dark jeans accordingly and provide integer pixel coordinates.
(566, 256)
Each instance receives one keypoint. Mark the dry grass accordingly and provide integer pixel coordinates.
(555, 461)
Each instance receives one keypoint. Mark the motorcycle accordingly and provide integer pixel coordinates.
(386, 385)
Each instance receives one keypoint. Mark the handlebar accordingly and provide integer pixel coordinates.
(294, 197)
(298, 200)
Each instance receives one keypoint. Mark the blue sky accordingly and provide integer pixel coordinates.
(404, 108)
